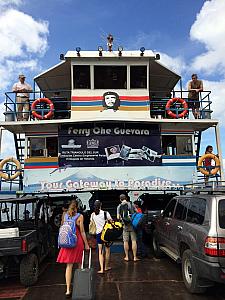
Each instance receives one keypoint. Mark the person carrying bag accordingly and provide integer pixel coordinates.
(98, 217)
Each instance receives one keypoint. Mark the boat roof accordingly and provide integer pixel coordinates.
(58, 77)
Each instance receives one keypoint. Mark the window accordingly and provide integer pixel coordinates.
(138, 77)
(37, 146)
(177, 145)
(196, 211)
(44, 146)
(81, 77)
(222, 214)
(181, 209)
(110, 77)
(168, 213)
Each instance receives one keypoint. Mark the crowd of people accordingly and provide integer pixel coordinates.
(71, 256)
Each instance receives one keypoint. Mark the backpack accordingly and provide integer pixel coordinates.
(137, 220)
(67, 233)
(111, 230)
(125, 213)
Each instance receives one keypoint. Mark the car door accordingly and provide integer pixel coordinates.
(178, 224)
(164, 226)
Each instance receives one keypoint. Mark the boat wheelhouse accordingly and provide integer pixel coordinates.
(102, 120)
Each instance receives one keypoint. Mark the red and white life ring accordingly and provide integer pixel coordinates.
(171, 102)
(46, 116)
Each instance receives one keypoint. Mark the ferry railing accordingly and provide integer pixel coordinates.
(205, 187)
(158, 104)
(62, 105)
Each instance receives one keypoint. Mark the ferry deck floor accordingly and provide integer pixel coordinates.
(149, 278)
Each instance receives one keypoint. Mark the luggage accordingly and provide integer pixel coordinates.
(83, 281)
(67, 233)
(125, 212)
(111, 231)
(137, 220)
(9, 233)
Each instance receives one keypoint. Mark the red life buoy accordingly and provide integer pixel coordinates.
(171, 102)
(46, 116)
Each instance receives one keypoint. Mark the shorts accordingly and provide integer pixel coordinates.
(193, 103)
(128, 232)
(98, 238)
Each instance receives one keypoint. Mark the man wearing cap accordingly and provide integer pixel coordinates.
(22, 90)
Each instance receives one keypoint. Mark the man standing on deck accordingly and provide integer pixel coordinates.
(22, 90)
(195, 86)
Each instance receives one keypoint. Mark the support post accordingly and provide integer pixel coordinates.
(219, 149)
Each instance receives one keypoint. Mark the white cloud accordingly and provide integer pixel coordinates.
(209, 29)
(10, 2)
(21, 34)
(176, 64)
(23, 39)
(23, 42)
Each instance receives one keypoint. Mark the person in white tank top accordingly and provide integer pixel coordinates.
(99, 217)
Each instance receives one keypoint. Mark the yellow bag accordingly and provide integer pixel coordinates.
(92, 228)
(111, 231)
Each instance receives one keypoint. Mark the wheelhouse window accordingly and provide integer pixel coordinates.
(138, 77)
(110, 77)
(81, 77)
(177, 145)
(43, 147)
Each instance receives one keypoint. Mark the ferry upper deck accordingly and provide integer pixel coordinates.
(94, 102)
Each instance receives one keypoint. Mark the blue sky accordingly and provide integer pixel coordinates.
(189, 35)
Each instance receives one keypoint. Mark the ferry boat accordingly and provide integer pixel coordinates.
(106, 121)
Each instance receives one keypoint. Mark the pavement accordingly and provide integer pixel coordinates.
(147, 279)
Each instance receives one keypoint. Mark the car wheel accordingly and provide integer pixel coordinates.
(190, 274)
(155, 244)
(29, 269)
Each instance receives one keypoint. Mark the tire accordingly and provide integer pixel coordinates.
(29, 270)
(190, 274)
(155, 245)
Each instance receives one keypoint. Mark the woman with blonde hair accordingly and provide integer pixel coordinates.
(69, 256)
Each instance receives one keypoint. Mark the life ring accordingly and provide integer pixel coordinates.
(38, 101)
(18, 168)
(215, 168)
(173, 115)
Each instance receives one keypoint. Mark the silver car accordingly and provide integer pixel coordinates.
(191, 231)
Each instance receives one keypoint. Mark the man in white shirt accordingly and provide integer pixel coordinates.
(22, 90)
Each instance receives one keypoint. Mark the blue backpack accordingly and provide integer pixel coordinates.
(137, 220)
(67, 233)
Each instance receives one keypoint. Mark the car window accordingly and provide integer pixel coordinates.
(168, 212)
(196, 211)
(222, 213)
(181, 209)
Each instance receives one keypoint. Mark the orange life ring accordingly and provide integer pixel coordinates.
(46, 116)
(171, 102)
(18, 168)
(215, 168)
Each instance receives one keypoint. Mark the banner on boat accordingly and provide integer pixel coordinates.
(88, 179)
(107, 145)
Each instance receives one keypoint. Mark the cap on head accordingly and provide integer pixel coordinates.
(22, 76)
